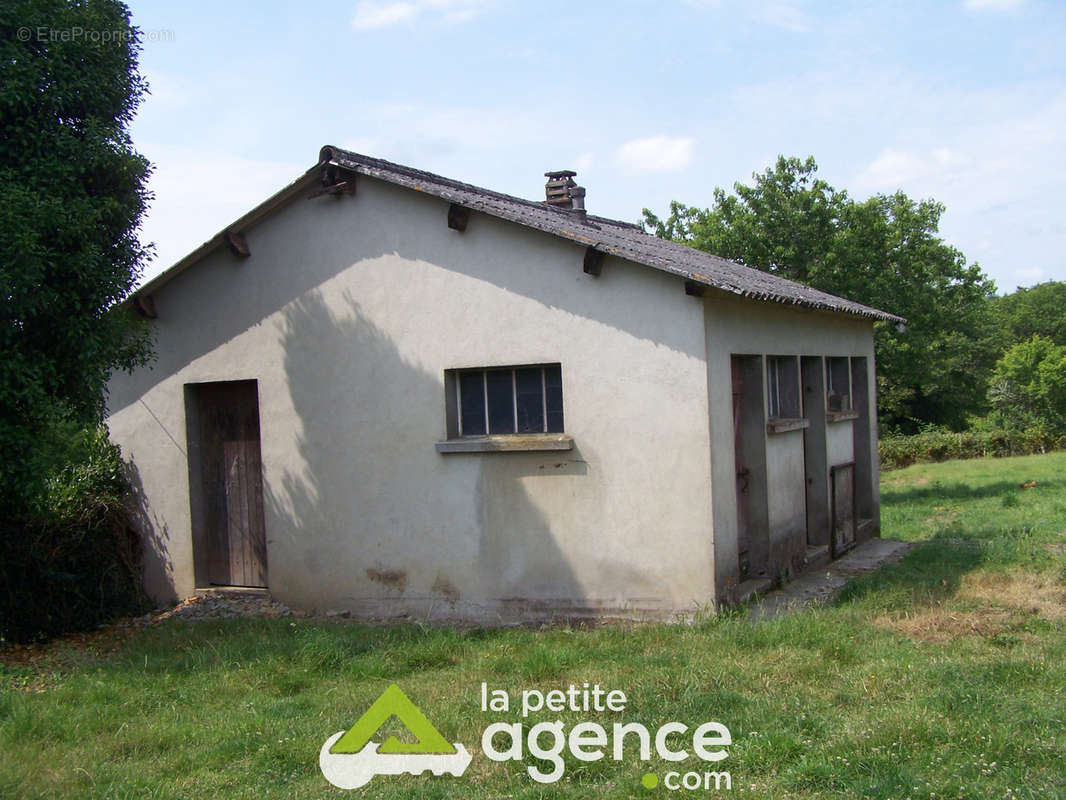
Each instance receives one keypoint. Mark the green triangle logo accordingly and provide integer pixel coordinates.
(393, 703)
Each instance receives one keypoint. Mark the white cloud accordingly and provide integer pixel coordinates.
(992, 5)
(366, 145)
(991, 155)
(457, 10)
(370, 14)
(426, 135)
(1030, 275)
(893, 169)
(996, 172)
(184, 214)
(655, 154)
(165, 88)
(380, 15)
(781, 15)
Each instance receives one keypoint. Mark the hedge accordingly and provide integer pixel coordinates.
(938, 444)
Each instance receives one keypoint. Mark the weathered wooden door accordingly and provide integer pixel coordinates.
(842, 481)
(743, 473)
(232, 483)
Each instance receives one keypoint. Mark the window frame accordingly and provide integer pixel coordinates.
(546, 438)
(841, 364)
(484, 373)
(783, 388)
(514, 370)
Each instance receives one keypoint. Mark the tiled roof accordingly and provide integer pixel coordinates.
(621, 239)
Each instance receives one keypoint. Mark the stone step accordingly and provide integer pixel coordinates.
(816, 557)
(756, 586)
(233, 591)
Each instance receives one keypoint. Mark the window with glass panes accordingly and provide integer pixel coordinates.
(509, 400)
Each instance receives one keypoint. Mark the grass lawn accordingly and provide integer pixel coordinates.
(943, 676)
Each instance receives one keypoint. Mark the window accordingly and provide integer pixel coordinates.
(782, 386)
(507, 400)
(838, 384)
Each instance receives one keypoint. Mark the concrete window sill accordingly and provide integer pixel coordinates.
(507, 443)
(785, 424)
(840, 416)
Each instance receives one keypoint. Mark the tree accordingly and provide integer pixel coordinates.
(1040, 309)
(883, 252)
(784, 224)
(1028, 386)
(72, 194)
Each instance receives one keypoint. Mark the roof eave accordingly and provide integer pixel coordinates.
(240, 225)
(496, 204)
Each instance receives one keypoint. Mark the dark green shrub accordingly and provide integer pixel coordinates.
(70, 561)
(938, 444)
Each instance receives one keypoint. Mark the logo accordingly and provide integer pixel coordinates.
(349, 759)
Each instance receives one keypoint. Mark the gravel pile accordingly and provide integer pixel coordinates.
(215, 605)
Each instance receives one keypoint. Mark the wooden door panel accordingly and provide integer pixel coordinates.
(742, 472)
(842, 479)
(233, 486)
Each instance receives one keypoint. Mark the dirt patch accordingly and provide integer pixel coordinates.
(1029, 594)
(1004, 600)
(943, 625)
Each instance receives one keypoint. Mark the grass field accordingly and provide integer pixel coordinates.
(943, 676)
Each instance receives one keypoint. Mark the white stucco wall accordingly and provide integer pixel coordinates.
(347, 313)
(745, 327)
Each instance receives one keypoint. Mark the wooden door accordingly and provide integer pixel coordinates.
(743, 473)
(231, 471)
(842, 482)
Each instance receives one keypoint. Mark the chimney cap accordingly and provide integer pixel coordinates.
(558, 188)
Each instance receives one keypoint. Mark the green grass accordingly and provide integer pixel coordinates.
(943, 676)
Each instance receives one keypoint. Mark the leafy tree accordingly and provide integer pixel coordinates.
(1040, 309)
(783, 224)
(883, 252)
(72, 194)
(1028, 386)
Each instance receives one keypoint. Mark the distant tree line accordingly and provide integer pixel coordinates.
(967, 358)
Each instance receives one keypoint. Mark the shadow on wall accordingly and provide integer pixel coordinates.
(364, 515)
(327, 235)
(156, 564)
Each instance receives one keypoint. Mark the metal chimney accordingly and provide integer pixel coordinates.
(577, 198)
(577, 201)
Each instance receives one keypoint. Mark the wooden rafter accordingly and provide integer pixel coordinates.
(145, 305)
(458, 217)
(694, 289)
(238, 245)
(593, 261)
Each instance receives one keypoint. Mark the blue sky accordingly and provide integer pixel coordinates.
(961, 101)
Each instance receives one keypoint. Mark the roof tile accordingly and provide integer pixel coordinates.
(622, 239)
